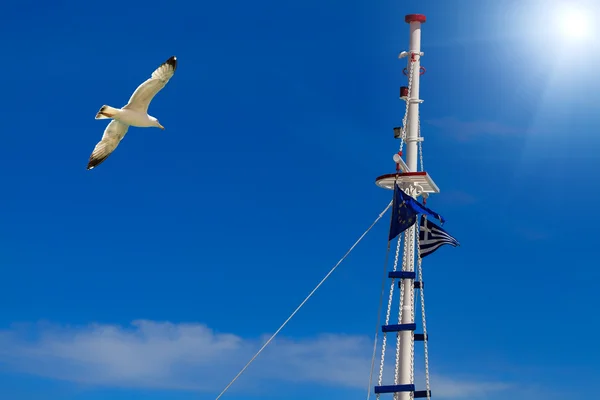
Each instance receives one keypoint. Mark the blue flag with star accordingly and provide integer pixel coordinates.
(404, 212)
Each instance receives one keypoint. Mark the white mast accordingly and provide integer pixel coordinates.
(412, 137)
(415, 183)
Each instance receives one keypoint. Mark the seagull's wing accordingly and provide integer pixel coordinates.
(113, 134)
(143, 95)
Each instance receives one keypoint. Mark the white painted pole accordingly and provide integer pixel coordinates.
(412, 133)
(412, 137)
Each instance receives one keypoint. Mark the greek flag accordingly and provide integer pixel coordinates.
(432, 237)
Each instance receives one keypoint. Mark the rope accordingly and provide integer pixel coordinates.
(304, 301)
(405, 119)
(387, 254)
(387, 316)
(413, 229)
(426, 350)
(392, 285)
(420, 143)
(400, 306)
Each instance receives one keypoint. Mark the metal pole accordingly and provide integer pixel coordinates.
(412, 138)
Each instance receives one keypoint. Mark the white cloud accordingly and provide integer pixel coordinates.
(449, 388)
(163, 355)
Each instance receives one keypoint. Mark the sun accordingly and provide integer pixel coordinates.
(574, 23)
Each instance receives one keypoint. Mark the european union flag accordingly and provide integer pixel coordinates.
(405, 211)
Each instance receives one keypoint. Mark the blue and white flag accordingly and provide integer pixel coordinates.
(432, 237)
(404, 212)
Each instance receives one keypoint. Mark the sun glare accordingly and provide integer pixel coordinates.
(574, 23)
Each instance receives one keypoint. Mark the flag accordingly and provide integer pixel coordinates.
(404, 212)
(432, 237)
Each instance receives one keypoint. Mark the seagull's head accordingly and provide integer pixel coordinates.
(157, 124)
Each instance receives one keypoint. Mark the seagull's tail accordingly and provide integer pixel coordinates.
(106, 112)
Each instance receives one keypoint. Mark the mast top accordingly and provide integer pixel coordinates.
(415, 18)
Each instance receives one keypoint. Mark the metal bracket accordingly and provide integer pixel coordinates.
(414, 190)
(407, 179)
(407, 53)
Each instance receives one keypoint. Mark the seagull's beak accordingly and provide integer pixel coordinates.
(161, 127)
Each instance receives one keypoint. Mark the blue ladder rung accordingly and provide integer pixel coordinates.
(419, 337)
(398, 328)
(394, 388)
(416, 285)
(402, 274)
(420, 394)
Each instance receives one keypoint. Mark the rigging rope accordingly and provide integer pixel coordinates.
(413, 230)
(426, 350)
(401, 306)
(387, 254)
(420, 142)
(304, 301)
(405, 119)
(387, 316)
(397, 255)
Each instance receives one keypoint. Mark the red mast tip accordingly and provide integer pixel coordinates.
(415, 18)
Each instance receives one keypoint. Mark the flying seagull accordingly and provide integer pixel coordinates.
(135, 113)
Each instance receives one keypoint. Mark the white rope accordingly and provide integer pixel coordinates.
(388, 314)
(392, 285)
(405, 119)
(387, 254)
(304, 301)
(420, 143)
(400, 306)
(412, 302)
(426, 350)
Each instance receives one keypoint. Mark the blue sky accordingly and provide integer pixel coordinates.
(158, 274)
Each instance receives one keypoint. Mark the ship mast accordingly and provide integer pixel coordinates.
(412, 139)
(410, 178)
(415, 183)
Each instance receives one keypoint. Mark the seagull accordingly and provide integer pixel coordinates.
(134, 113)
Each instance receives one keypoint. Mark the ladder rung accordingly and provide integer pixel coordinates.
(417, 285)
(420, 337)
(398, 328)
(402, 274)
(419, 394)
(394, 388)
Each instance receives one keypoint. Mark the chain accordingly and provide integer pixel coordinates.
(387, 317)
(405, 119)
(424, 320)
